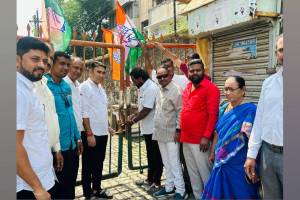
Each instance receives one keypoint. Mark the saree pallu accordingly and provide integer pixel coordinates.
(227, 179)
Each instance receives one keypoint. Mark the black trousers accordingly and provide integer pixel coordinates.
(92, 164)
(187, 182)
(25, 194)
(155, 164)
(65, 188)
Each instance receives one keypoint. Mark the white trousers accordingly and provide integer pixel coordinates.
(170, 156)
(198, 167)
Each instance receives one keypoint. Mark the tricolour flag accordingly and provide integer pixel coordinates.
(114, 54)
(59, 29)
(130, 38)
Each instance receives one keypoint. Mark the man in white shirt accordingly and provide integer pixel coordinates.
(267, 134)
(35, 174)
(148, 91)
(75, 72)
(95, 122)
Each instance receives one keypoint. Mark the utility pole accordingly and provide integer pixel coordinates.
(174, 11)
(36, 21)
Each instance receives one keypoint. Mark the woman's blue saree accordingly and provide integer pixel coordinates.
(227, 179)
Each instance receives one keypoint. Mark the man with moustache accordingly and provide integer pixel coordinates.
(267, 133)
(70, 140)
(35, 177)
(200, 106)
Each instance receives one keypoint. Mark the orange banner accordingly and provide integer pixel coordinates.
(114, 54)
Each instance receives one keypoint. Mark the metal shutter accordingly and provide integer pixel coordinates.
(254, 70)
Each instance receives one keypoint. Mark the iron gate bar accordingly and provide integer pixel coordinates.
(123, 85)
(130, 160)
(105, 45)
(120, 159)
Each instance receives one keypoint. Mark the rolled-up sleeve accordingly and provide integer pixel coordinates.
(149, 98)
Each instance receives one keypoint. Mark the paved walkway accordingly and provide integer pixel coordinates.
(123, 186)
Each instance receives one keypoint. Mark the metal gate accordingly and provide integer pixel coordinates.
(245, 51)
(124, 107)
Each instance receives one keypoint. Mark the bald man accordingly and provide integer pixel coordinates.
(75, 71)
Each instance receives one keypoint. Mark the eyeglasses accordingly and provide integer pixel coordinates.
(230, 89)
(162, 76)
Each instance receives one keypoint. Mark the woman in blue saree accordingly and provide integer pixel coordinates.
(229, 148)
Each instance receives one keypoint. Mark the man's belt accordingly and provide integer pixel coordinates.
(274, 148)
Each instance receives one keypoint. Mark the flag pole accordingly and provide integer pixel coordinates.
(47, 21)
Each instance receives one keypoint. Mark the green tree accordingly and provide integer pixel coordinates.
(88, 16)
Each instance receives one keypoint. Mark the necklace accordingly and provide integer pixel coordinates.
(230, 107)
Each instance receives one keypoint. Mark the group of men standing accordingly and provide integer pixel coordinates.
(182, 111)
(176, 114)
(58, 118)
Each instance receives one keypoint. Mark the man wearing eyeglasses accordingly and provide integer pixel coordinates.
(70, 140)
(166, 130)
(200, 107)
(267, 133)
(95, 136)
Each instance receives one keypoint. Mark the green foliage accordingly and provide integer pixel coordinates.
(88, 16)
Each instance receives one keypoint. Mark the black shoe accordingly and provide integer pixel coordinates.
(103, 194)
(143, 183)
(153, 188)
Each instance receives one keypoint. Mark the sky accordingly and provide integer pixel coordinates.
(25, 10)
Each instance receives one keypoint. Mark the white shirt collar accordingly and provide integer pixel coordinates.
(76, 83)
(144, 86)
(94, 84)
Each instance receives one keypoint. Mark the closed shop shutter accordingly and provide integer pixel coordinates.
(231, 54)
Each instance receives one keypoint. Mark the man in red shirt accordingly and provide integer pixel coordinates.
(200, 107)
